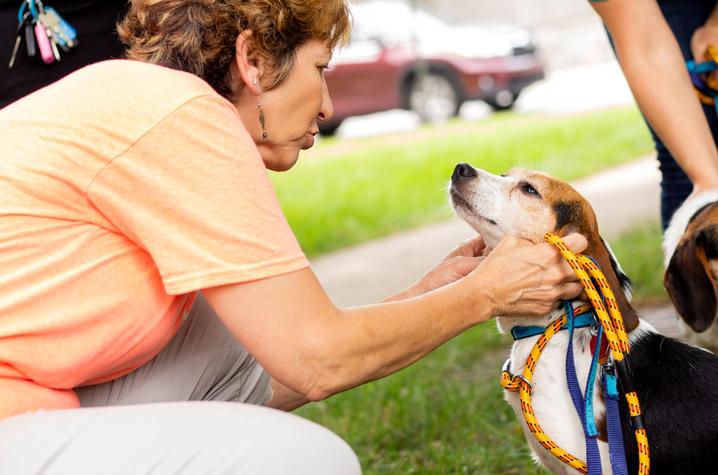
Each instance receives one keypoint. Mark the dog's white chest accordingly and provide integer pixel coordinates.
(551, 399)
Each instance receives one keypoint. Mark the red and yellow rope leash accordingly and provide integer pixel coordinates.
(613, 328)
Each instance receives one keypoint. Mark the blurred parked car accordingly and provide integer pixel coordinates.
(400, 58)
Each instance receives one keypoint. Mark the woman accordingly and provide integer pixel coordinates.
(653, 39)
(130, 186)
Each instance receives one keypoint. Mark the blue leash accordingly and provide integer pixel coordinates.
(616, 449)
(584, 407)
(695, 70)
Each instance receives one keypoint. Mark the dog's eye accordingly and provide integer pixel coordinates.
(528, 189)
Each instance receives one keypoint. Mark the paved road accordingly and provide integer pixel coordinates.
(622, 197)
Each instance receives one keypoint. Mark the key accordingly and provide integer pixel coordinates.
(53, 44)
(55, 31)
(60, 26)
(30, 40)
(18, 39)
(43, 43)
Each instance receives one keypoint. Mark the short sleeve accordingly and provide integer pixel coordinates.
(194, 194)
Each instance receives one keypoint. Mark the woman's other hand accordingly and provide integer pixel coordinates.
(457, 264)
(703, 37)
(521, 278)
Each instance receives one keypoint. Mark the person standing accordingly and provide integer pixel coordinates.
(653, 39)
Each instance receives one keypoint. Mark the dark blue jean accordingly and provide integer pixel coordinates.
(683, 17)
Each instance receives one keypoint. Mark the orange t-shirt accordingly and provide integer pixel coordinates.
(126, 187)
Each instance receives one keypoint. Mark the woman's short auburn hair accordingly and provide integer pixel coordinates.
(198, 36)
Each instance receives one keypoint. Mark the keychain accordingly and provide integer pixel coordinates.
(44, 30)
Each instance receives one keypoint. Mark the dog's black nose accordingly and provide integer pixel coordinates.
(463, 170)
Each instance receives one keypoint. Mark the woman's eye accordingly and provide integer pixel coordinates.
(323, 68)
(528, 189)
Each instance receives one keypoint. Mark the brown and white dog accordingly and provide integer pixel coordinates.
(690, 247)
(677, 384)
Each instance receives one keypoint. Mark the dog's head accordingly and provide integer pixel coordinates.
(529, 204)
(692, 261)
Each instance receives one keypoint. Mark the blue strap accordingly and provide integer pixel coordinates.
(613, 422)
(585, 319)
(701, 68)
(593, 457)
(695, 70)
(589, 419)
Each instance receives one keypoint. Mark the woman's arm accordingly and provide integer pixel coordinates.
(459, 263)
(315, 349)
(655, 70)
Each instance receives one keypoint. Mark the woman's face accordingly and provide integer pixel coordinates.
(292, 108)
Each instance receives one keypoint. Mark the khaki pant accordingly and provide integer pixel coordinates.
(132, 426)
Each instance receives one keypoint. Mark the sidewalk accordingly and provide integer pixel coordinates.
(622, 197)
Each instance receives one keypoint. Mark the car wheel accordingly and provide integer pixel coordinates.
(433, 97)
(503, 100)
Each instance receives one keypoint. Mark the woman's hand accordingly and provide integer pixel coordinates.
(521, 278)
(702, 38)
(459, 263)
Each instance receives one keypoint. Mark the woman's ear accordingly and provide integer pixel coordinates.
(247, 65)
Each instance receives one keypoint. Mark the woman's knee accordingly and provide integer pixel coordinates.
(173, 438)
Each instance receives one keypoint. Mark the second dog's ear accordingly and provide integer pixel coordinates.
(689, 281)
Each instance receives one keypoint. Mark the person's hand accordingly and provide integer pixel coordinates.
(701, 38)
(521, 278)
(456, 265)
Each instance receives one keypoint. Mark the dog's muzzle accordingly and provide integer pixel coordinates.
(463, 172)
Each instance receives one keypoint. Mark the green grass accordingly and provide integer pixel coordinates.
(445, 414)
(345, 193)
(639, 252)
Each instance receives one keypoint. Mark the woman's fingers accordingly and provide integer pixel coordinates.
(576, 242)
(530, 279)
(470, 248)
(570, 290)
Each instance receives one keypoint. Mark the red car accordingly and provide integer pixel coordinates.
(375, 74)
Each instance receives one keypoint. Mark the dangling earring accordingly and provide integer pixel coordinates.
(261, 121)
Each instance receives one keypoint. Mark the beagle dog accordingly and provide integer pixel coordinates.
(677, 384)
(690, 247)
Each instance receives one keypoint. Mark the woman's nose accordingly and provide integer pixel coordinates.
(326, 111)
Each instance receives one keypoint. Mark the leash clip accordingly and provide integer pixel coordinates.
(507, 369)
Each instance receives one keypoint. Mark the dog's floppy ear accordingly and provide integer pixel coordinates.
(578, 216)
(689, 280)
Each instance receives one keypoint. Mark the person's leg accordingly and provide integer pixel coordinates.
(171, 438)
(203, 362)
(683, 18)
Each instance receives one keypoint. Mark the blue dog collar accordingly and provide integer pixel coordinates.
(582, 320)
